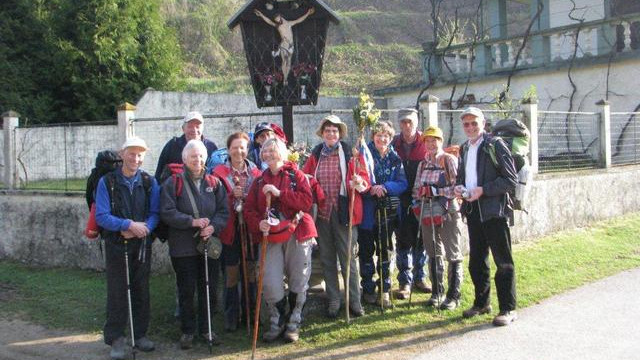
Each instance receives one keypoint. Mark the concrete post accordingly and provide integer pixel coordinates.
(432, 110)
(605, 133)
(10, 121)
(530, 107)
(125, 125)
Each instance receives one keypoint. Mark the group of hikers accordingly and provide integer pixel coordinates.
(250, 217)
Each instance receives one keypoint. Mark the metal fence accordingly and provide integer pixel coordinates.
(449, 122)
(568, 140)
(625, 138)
(60, 157)
(157, 131)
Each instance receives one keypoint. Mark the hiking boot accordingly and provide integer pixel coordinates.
(276, 320)
(474, 311)
(215, 340)
(145, 345)
(292, 333)
(422, 286)
(333, 309)
(403, 292)
(435, 300)
(118, 349)
(505, 318)
(186, 341)
(450, 304)
(370, 298)
(386, 301)
(356, 310)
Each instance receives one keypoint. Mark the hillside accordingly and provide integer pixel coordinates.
(377, 43)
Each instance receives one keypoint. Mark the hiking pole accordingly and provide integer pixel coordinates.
(206, 274)
(380, 259)
(349, 240)
(245, 271)
(243, 249)
(126, 265)
(263, 255)
(387, 239)
(435, 256)
(418, 235)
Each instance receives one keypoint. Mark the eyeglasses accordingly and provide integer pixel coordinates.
(472, 123)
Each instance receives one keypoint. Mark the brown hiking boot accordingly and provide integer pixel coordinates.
(422, 286)
(403, 292)
(475, 311)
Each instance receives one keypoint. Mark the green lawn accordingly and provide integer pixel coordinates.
(57, 185)
(74, 299)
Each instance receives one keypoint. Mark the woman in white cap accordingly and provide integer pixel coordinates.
(336, 172)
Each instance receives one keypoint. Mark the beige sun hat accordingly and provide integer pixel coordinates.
(334, 120)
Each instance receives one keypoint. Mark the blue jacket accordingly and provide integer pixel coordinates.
(389, 172)
(172, 153)
(131, 204)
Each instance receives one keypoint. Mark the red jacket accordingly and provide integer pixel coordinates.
(311, 166)
(224, 173)
(288, 203)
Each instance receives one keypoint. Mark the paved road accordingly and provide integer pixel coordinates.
(597, 321)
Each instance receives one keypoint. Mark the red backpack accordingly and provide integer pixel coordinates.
(173, 170)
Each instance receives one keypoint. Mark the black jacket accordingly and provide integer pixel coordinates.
(496, 182)
(172, 153)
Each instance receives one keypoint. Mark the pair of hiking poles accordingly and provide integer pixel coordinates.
(433, 242)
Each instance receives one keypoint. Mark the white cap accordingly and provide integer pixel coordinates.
(135, 142)
(473, 111)
(193, 115)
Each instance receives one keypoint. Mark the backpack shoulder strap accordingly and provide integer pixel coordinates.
(212, 180)
(491, 150)
(292, 178)
(110, 181)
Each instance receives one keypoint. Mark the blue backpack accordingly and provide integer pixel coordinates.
(218, 157)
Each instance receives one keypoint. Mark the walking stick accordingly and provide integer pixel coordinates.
(263, 254)
(349, 240)
(417, 239)
(206, 274)
(435, 255)
(243, 249)
(387, 239)
(380, 259)
(126, 265)
(352, 199)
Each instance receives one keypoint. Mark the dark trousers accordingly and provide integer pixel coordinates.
(190, 277)
(117, 303)
(369, 243)
(410, 254)
(492, 234)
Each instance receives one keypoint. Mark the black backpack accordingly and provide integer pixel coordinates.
(106, 162)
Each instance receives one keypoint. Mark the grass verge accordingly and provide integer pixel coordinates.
(74, 299)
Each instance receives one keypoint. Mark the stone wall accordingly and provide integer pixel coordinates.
(46, 229)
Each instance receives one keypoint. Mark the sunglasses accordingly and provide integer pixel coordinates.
(472, 123)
